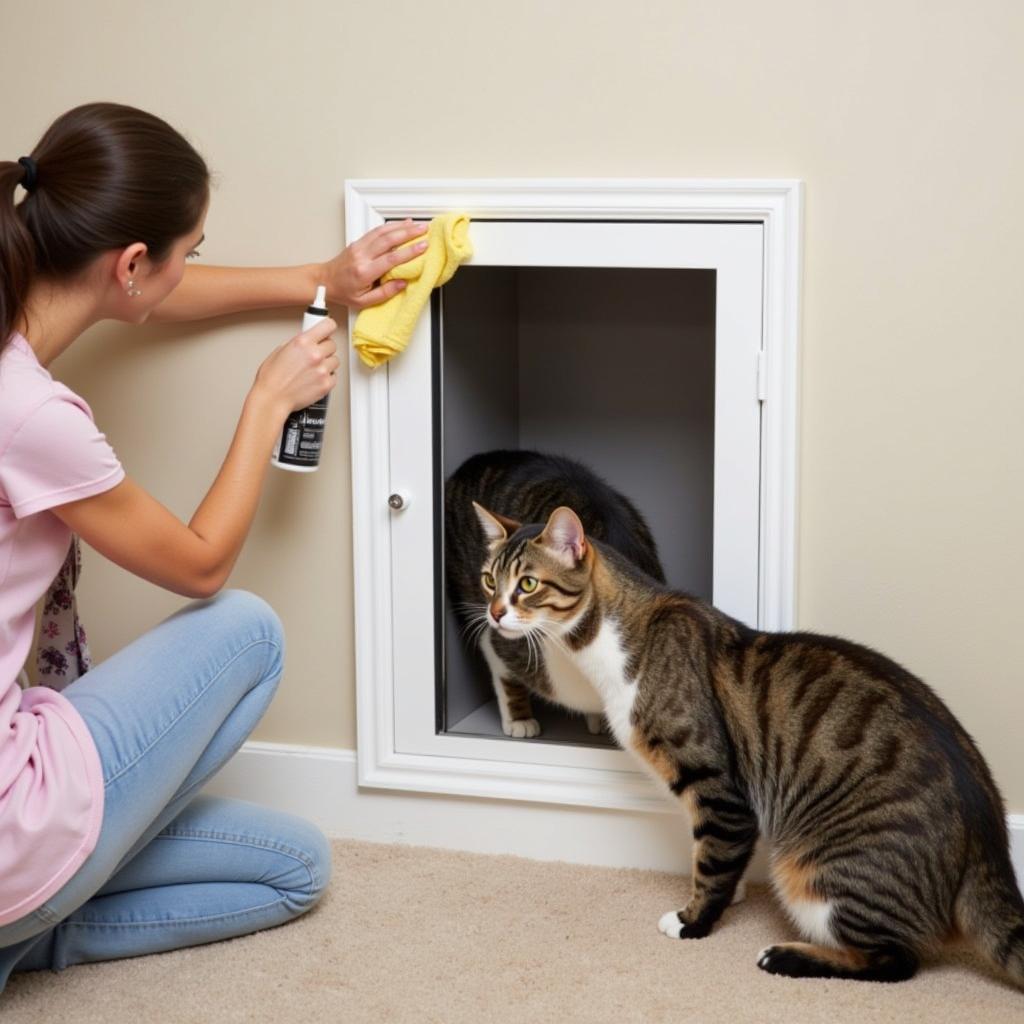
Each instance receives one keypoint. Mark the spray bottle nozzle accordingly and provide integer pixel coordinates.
(320, 302)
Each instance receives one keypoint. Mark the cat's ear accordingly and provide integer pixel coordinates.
(496, 527)
(563, 537)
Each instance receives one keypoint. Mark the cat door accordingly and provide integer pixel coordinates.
(636, 345)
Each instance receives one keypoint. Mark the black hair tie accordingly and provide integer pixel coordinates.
(28, 183)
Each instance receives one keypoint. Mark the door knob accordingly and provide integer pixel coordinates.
(398, 501)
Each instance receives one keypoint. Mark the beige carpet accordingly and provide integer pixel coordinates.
(407, 934)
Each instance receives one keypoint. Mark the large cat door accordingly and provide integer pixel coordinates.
(649, 345)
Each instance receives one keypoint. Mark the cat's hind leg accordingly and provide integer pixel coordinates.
(514, 703)
(861, 926)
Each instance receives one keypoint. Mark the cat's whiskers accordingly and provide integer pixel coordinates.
(549, 634)
(472, 623)
(469, 607)
(475, 629)
(531, 648)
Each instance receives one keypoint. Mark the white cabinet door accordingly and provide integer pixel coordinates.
(734, 251)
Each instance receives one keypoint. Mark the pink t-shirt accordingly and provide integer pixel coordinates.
(51, 780)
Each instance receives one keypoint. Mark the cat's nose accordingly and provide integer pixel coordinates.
(497, 611)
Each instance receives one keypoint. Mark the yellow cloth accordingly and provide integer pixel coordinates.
(383, 331)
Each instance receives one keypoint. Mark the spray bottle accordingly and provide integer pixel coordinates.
(298, 447)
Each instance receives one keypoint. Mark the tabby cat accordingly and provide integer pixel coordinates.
(887, 832)
(530, 486)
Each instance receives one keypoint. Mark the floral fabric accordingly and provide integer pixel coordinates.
(62, 654)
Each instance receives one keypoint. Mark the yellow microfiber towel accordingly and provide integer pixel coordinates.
(383, 331)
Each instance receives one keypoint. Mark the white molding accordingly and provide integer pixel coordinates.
(627, 789)
(320, 783)
(777, 205)
(583, 198)
(783, 270)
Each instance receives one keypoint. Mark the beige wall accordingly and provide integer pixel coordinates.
(903, 119)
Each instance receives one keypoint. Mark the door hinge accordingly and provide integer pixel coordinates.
(762, 375)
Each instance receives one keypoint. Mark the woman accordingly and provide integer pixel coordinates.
(105, 850)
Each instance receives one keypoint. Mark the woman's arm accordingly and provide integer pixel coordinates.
(350, 278)
(130, 527)
(216, 291)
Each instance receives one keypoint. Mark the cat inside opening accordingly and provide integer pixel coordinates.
(528, 486)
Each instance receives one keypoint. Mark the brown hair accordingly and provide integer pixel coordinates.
(107, 175)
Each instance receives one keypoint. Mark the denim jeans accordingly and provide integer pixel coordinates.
(172, 868)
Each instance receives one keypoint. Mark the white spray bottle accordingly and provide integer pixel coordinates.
(298, 447)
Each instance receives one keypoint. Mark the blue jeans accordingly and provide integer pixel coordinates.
(171, 868)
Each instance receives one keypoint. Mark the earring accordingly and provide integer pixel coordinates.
(132, 290)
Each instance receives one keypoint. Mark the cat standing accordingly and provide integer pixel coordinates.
(887, 832)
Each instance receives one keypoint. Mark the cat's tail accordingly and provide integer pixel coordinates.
(990, 910)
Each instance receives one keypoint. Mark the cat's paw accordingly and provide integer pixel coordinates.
(595, 723)
(521, 728)
(790, 961)
(675, 928)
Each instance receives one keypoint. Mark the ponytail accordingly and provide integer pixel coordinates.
(105, 176)
(17, 252)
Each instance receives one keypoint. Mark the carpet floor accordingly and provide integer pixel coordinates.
(425, 936)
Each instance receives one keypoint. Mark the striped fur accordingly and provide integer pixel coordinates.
(887, 831)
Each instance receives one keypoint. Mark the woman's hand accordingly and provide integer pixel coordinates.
(351, 279)
(301, 371)
(352, 276)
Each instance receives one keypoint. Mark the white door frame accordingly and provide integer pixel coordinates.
(588, 776)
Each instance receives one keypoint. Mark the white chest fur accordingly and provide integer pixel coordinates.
(569, 685)
(595, 674)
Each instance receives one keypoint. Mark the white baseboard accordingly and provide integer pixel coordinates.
(319, 783)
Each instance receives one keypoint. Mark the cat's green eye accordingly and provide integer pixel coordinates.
(488, 581)
(528, 584)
